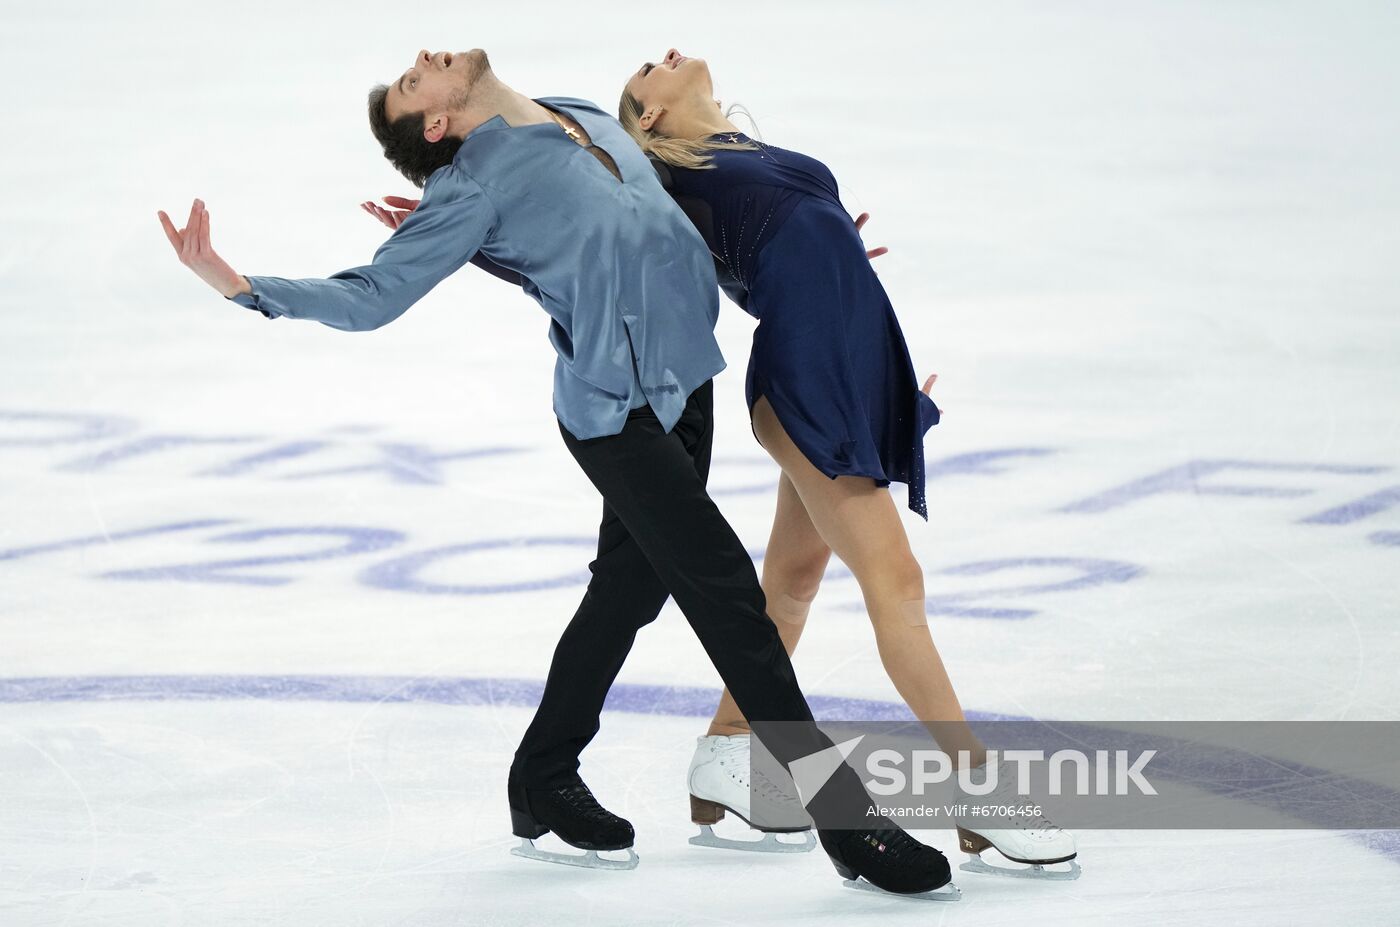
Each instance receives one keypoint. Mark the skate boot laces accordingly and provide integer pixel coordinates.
(733, 754)
(735, 759)
(1038, 827)
(581, 800)
(893, 846)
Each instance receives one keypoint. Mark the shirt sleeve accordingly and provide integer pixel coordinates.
(450, 224)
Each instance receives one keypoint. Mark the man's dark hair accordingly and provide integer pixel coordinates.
(404, 145)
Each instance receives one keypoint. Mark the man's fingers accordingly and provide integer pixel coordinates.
(861, 219)
(204, 231)
(876, 252)
(192, 223)
(928, 384)
(402, 202)
(190, 233)
(175, 241)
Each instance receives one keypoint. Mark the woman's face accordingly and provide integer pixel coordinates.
(664, 85)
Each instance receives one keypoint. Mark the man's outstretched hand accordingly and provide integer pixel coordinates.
(391, 217)
(191, 244)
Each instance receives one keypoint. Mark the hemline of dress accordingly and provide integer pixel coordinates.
(881, 480)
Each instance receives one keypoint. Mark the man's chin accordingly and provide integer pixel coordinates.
(480, 64)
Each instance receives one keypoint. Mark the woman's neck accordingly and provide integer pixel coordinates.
(697, 120)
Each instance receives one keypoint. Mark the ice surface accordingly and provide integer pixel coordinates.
(1147, 247)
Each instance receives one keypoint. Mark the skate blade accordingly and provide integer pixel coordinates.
(1033, 871)
(589, 860)
(769, 844)
(949, 892)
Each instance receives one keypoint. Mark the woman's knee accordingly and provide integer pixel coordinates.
(792, 584)
(896, 583)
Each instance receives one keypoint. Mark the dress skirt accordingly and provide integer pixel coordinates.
(829, 354)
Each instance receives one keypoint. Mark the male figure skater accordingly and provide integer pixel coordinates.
(554, 191)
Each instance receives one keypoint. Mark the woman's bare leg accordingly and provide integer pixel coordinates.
(860, 522)
(792, 571)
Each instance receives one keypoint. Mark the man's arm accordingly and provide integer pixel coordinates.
(437, 238)
(402, 206)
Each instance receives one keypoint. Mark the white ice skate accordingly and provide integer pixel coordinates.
(720, 777)
(1034, 841)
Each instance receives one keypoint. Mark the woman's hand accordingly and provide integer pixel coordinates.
(928, 386)
(391, 217)
(191, 243)
(875, 252)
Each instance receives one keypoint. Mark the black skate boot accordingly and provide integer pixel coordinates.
(890, 860)
(575, 816)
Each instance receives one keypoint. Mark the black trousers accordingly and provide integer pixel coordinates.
(662, 535)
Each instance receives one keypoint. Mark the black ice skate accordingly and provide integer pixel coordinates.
(892, 861)
(576, 818)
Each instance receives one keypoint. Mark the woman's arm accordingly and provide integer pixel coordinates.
(496, 270)
(702, 217)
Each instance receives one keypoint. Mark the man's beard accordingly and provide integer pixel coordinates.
(481, 64)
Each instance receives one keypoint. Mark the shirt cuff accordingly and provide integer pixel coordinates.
(250, 301)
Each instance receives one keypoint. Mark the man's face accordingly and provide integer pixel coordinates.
(436, 83)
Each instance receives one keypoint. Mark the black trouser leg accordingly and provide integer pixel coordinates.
(654, 482)
(623, 595)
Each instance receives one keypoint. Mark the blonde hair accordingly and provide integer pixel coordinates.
(677, 152)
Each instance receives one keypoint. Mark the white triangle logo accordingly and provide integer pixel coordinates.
(811, 772)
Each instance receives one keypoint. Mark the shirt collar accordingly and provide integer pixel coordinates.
(498, 121)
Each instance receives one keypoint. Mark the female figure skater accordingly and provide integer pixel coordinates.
(832, 397)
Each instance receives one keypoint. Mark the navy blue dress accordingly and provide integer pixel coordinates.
(828, 351)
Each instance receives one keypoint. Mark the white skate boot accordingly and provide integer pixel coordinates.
(1033, 840)
(720, 777)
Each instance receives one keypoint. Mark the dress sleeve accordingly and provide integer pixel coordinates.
(496, 270)
(929, 413)
(701, 216)
(663, 173)
(730, 286)
(446, 229)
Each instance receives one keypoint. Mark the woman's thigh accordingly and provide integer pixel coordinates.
(856, 519)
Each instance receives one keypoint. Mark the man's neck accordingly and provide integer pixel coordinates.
(519, 110)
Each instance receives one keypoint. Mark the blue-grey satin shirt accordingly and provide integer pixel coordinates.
(626, 278)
